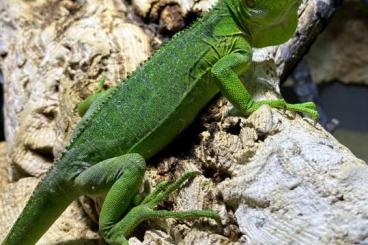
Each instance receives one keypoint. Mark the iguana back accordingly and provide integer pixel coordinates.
(147, 110)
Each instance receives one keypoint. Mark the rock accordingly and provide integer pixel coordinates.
(301, 185)
(4, 178)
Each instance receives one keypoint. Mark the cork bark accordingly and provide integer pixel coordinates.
(275, 177)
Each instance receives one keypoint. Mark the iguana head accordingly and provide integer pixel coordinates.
(268, 22)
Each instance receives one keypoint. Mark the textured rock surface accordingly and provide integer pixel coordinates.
(301, 186)
(4, 178)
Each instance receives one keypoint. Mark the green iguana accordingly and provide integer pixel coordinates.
(128, 124)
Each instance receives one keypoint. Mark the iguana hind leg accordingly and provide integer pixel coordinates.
(145, 210)
(120, 178)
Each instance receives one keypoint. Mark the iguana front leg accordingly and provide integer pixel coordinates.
(120, 178)
(87, 103)
(226, 72)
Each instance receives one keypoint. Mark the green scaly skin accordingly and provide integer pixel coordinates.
(128, 124)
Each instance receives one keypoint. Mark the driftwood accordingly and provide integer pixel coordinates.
(275, 177)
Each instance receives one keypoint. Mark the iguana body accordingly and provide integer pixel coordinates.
(130, 123)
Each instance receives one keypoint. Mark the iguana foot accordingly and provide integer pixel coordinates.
(308, 108)
(165, 188)
(162, 192)
(145, 210)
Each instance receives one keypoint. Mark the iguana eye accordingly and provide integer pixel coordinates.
(250, 3)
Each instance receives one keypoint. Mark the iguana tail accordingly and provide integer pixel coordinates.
(48, 201)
